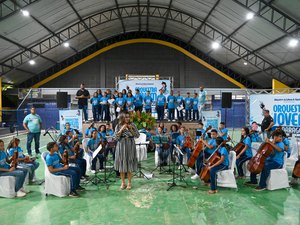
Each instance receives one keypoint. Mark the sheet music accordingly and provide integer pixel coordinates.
(95, 153)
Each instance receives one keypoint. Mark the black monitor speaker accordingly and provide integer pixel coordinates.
(62, 100)
(226, 100)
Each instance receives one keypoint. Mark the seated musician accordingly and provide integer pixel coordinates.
(92, 145)
(245, 154)
(223, 132)
(295, 177)
(172, 134)
(23, 161)
(109, 148)
(255, 136)
(162, 125)
(210, 147)
(201, 129)
(7, 170)
(80, 162)
(102, 132)
(222, 164)
(163, 153)
(286, 143)
(180, 141)
(68, 128)
(55, 166)
(274, 161)
(88, 131)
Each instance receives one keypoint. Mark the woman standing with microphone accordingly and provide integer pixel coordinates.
(126, 158)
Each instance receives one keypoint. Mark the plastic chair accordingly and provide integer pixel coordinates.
(226, 178)
(278, 178)
(7, 187)
(141, 150)
(57, 185)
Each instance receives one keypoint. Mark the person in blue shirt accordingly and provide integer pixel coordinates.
(163, 153)
(138, 103)
(195, 107)
(92, 145)
(274, 161)
(179, 103)
(201, 129)
(174, 133)
(95, 106)
(245, 154)
(255, 137)
(80, 162)
(99, 92)
(129, 102)
(222, 164)
(23, 161)
(171, 106)
(68, 128)
(32, 124)
(210, 147)
(202, 99)
(286, 143)
(6, 170)
(188, 101)
(55, 166)
(109, 131)
(160, 105)
(105, 108)
(223, 132)
(120, 103)
(180, 141)
(89, 130)
(148, 102)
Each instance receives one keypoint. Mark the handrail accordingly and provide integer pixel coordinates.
(24, 98)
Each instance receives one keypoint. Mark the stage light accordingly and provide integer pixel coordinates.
(215, 45)
(293, 42)
(66, 44)
(250, 16)
(245, 63)
(25, 13)
(31, 62)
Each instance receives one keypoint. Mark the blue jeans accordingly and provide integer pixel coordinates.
(199, 161)
(179, 115)
(195, 114)
(188, 153)
(31, 167)
(19, 174)
(101, 160)
(239, 164)
(95, 110)
(138, 108)
(160, 112)
(188, 114)
(99, 112)
(36, 137)
(81, 163)
(213, 175)
(171, 114)
(105, 111)
(163, 154)
(84, 109)
(74, 174)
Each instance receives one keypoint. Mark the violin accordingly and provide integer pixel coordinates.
(76, 150)
(197, 150)
(65, 157)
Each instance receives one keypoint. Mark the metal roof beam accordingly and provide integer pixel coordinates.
(167, 15)
(10, 7)
(3, 69)
(120, 16)
(148, 6)
(139, 11)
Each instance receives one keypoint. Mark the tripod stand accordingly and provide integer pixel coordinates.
(139, 172)
(175, 176)
(157, 140)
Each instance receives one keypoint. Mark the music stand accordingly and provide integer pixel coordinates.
(157, 140)
(111, 144)
(198, 133)
(139, 173)
(176, 153)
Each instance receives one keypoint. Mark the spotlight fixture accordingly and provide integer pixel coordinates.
(245, 63)
(215, 45)
(25, 13)
(250, 16)
(66, 44)
(31, 62)
(293, 42)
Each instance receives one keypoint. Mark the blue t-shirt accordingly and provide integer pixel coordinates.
(247, 141)
(110, 132)
(104, 100)
(255, 137)
(286, 142)
(33, 122)
(202, 97)
(99, 97)
(3, 163)
(171, 102)
(65, 131)
(138, 100)
(161, 99)
(213, 143)
(20, 152)
(54, 161)
(180, 140)
(130, 102)
(102, 136)
(223, 151)
(120, 101)
(179, 100)
(225, 131)
(94, 101)
(195, 103)
(148, 101)
(89, 131)
(62, 148)
(93, 143)
(277, 156)
(188, 103)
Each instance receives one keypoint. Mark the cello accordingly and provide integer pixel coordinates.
(76, 150)
(197, 150)
(296, 170)
(65, 157)
(240, 146)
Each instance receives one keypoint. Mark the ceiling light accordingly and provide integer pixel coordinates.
(245, 63)
(31, 62)
(293, 42)
(250, 16)
(66, 44)
(25, 13)
(215, 45)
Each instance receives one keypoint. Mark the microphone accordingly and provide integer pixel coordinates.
(47, 131)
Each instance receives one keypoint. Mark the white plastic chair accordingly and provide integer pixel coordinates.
(278, 178)
(141, 150)
(57, 185)
(7, 187)
(226, 178)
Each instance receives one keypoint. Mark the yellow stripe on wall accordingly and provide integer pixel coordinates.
(134, 41)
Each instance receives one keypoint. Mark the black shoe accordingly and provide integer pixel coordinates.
(80, 188)
(74, 194)
(86, 176)
(258, 188)
(250, 183)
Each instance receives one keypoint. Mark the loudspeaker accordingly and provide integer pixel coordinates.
(62, 100)
(226, 99)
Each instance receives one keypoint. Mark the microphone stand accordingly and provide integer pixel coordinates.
(140, 173)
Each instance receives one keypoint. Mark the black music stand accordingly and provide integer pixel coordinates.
(176, 153)
(157, 140)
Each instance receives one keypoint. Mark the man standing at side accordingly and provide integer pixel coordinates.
(202, 100)
(32, 124)
(83, 95)
(266, 124)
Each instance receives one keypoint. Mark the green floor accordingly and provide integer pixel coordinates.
(149, 203)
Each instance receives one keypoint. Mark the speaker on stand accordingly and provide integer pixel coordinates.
(62, 100)
(226, 102)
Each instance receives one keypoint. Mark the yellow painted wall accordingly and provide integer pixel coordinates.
(279, 87)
